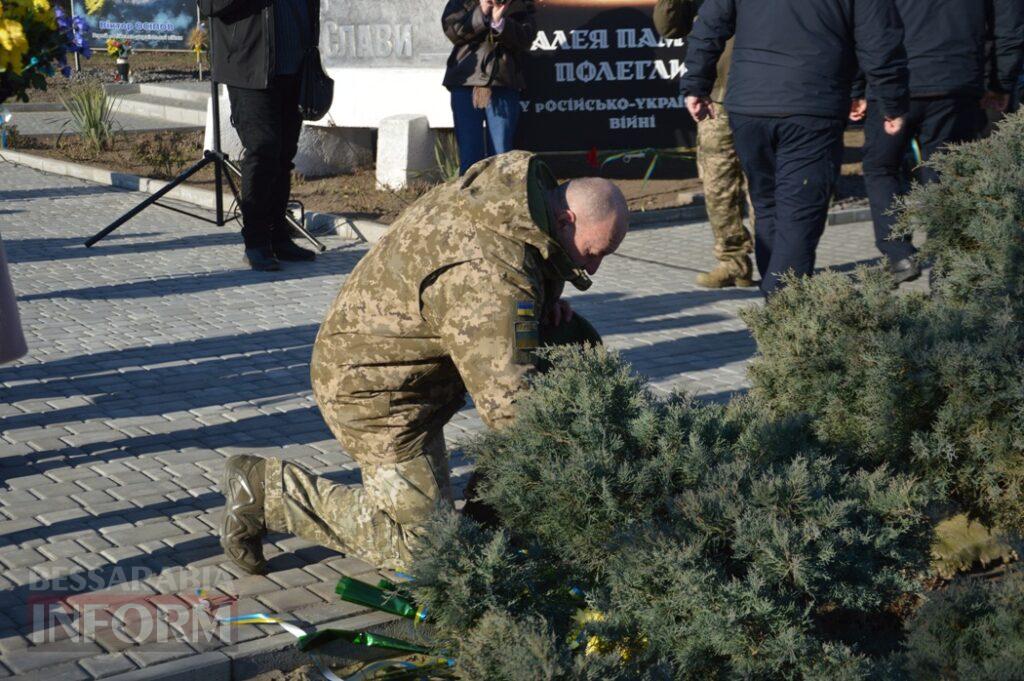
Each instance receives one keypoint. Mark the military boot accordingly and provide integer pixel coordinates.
(737, 272)
(243, 526)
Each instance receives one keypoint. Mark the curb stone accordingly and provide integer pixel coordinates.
(34, 107)
(213, 666)
(342, 225)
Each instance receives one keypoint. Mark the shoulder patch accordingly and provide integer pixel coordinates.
(526, 336)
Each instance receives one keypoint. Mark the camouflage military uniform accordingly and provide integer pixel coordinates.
(450, 299)
(720, 171)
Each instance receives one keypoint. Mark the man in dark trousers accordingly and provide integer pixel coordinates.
(258, 46)
(947, 57)
(788, 96)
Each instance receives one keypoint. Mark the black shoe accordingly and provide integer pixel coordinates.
(287, 250)
(261, 259)
(242, 527)
(904, 270)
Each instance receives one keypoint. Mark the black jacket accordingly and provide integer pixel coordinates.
(481, 57)
(799, 56)
(960, 48)
(242, 39)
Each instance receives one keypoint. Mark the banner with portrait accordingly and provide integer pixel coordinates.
(149, 24)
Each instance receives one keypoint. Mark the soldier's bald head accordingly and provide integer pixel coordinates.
(592, 217)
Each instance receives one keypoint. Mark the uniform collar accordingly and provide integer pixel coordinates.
(539, 181)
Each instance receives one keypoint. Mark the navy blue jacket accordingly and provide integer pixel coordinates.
(946, 44)
(799, 56)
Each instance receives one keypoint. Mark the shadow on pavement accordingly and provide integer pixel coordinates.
(49, 249)
(334, 262)
(55, 192)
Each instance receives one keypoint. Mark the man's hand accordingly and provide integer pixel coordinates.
(700, 107)
(498, 12)
(858, 109)
(995, 101)
(894, 124)
(559, 313)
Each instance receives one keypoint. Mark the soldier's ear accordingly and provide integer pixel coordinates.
(566, 216)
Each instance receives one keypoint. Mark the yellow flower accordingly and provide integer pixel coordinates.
(93, 6)
(13, 45)
(44, 13)
(596, 645)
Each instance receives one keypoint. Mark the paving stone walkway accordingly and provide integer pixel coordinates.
(155, 355)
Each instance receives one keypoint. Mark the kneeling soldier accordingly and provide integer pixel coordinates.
(458, 295)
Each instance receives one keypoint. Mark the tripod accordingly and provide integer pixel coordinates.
(223, 169)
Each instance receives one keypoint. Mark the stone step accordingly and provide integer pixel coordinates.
(191, 91)
(167, 108)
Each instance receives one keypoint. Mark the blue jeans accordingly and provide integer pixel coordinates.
(502, 116)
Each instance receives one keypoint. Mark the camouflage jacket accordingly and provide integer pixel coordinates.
(453, 294)
(674, 19)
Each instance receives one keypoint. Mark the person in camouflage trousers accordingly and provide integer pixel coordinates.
(458, 295)
(717, 164)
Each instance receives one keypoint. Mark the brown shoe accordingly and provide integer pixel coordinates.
(738, 272)
(243, 527)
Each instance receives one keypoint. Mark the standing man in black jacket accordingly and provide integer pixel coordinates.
(788, 97)
(258, 46)
(946, 53)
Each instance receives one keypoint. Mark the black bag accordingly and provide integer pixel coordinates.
(316, 89)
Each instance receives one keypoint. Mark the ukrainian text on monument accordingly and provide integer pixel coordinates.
(598, 74)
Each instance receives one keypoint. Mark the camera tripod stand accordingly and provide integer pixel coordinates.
(223, 170)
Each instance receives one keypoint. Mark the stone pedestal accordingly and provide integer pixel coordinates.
(405, 150)
(229, 142)
(331, 150)
(322, 150)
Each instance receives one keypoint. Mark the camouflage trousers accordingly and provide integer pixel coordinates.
(724, 185)
(382, 520)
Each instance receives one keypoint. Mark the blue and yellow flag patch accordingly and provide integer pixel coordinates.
(526, 332)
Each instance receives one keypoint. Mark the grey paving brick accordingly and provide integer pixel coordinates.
(62, 549)
(289, 599)
(292, 578)
(76, 513)
(69, 671)
(21, 558)
(107, 665)
(157, 653)
(143, 533)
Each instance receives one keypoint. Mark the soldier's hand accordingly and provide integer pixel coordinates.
(858, 109)
(894, 125)
(700, 107)
(559, 313)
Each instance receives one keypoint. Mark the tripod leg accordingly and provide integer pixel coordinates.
(150, 201)
(218, 188)
(287, 216)
(302, 230)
